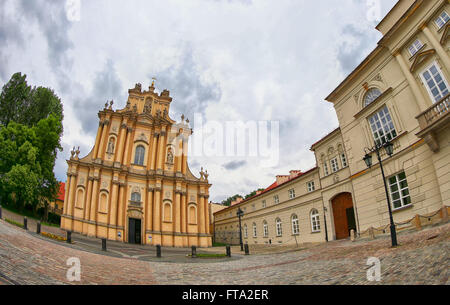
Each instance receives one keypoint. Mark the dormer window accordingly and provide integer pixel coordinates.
(371, 95)
(442, 19)
(415, 47)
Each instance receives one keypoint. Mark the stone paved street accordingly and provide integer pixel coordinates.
(422, 258)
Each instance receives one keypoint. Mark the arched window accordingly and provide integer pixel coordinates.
(371, 95)
(136, 197)
(254, 230)
(139, 155)
(295, 228)
(245, 231)
(103, 203)
(315, 221)
(266, 229)
(279, 227)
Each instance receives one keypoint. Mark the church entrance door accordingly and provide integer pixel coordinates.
(134, 231)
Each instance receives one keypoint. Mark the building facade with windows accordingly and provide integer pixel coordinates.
(399, 93)
(135, 185)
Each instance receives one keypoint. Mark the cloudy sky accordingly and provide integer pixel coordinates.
(222, 60)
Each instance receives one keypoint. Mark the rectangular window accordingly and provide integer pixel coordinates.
(415, 47)
(311, 186)
(263, 203)
(398, 187)
(436, 83)
(254, 230)
(325, 168)
(291, 194)
(266, 230)
(442, 19)
(276, 200)
(344, 160)
(334, 165)
(382, 126)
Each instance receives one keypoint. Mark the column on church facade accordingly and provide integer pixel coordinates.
(179, 154)
(177, 219)
(101, 149)
(161, 152)
(120, 143)
(129, 148)
(70, 205)
(127, 145)
(121, 209)
(206, 215)
(184, 156)
(97, 139)
(93, 214)
(87, 203)
(150, 149)
(420, 100)
(112, 232)
(149, 212)
(157, 216)
(154, 150)
(184, 218)
(201, 212)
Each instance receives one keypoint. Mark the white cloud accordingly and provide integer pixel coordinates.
(231, 60)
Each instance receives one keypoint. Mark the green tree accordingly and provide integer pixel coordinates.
(30, 134)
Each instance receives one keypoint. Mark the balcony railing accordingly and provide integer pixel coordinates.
(434, 113)
(135, 203)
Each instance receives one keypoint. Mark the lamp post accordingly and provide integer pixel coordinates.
(325, 222)
(240, 213)
(389, 148)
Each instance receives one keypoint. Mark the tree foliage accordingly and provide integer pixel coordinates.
(30, 135)
(229, 200)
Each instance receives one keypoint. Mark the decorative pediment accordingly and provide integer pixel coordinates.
(445, 35)
(421, 57)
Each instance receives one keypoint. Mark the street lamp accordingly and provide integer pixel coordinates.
(389, 148)
(240, 213)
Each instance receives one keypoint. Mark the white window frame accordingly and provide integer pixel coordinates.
(371, 95)
(295, 226)
(310, 186)
(265, 229)
(279, 227)
(440, 20)
(334, 165)
(405, 200)
(276, 199)
(291, 193)
(388, 131)
(441, 92)
(264, 204)
(315, 220)
(254, 230)
(415, 47)
(245, 231)
(344, 160)
(325, 168)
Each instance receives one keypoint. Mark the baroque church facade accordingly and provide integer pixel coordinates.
(135, 185)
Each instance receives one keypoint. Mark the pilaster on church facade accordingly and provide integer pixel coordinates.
(135, 185)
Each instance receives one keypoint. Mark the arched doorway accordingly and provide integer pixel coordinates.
(343, 215)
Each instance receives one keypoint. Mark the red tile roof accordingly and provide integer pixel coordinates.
(269, 188)
(62, 191)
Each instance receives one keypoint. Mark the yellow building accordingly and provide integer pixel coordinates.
(135, 185)
(400, 92)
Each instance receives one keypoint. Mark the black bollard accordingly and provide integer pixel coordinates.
(0, 212)
(228, 251)
(38, 227)
(25, 223)
(247, 252)
(69, 237)
(158, 250)
(194, 251)
(103, 244)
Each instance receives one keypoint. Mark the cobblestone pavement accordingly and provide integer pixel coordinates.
(421, 258)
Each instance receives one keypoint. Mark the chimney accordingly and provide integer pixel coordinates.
(282, 179)
(294, 173)
(258, 192)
